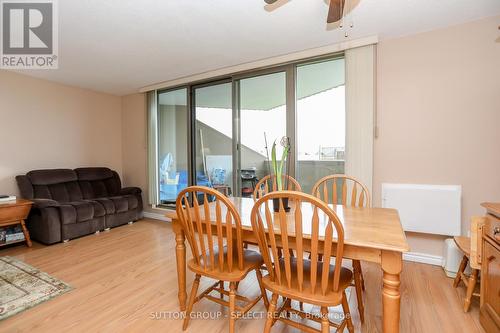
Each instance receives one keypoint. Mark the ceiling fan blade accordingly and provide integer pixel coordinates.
(335, 11)
(270, 2)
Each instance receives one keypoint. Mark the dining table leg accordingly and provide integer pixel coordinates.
(392, 266)
(180, 255)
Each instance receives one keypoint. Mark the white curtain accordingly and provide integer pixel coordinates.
(152, 148)
(360, 112)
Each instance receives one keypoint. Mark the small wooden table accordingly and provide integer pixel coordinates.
(370, 234)
(15, 212)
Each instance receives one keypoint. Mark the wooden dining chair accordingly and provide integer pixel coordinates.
(292, 276)
(345, 190)
(471, 248)
(214, 233)
(268, 184)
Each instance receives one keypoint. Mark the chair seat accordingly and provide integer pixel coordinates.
(463, 244)
(330, 298)
(252, 260)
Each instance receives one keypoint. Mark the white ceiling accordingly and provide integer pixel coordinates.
(119, 46)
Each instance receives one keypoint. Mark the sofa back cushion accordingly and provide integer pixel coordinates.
(56, 184)
(98, 182)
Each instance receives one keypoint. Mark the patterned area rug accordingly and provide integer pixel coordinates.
(23, 286)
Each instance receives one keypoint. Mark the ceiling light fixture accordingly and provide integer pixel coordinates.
(336, 13)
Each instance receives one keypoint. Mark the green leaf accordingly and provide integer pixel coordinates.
(273, 158)
(278, 169)
(282, 163)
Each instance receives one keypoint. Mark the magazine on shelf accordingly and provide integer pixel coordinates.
(11, 234)
(3, 234)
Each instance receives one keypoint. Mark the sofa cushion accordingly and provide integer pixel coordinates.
(132, 201)
(84, 210)
(130, 190)
(58, 184)
(98, 182)
(93, 173)
(44, 203)
(41, 192)
(107, 204)
(64, 192)
(99, 209)
(68, 214)
(80, 211)
(121, 203)
(118, 204)
(93, 189)
(51, 176)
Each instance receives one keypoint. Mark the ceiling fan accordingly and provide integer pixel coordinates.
(335, 12)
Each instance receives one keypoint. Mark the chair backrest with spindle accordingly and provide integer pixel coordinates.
(209, 226)
(309, 227)
(269, 184)
(334, 189)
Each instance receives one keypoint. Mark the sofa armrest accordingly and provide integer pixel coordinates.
(130, 190)
(44, 203)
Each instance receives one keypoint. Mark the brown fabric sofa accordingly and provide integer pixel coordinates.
(73, 203)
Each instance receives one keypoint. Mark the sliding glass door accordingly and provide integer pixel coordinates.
(262, 108)
(219, 134)
(172, 117)
(213, 114)
(320, 136)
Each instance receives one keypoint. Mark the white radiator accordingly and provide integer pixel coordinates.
(431, 209)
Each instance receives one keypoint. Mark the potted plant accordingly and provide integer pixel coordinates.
(278, 168)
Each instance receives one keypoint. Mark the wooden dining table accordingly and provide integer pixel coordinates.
(370, 234)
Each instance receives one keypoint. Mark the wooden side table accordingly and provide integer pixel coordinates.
(15, 212)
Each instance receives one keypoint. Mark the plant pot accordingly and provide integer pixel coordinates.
(276, 204)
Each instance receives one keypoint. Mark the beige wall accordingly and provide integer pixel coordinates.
(49, 125)
(134, 136)
(439, 115)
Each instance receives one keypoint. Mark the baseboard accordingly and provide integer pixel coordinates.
(423, 258)
(156, 216)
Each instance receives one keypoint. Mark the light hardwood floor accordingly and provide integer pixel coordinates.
(125, 281)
